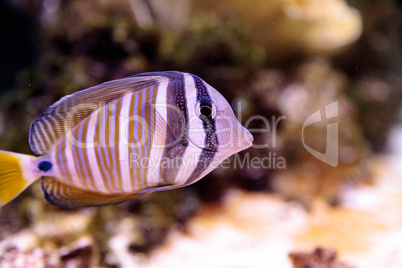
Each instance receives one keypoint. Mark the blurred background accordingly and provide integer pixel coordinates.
(276, 58)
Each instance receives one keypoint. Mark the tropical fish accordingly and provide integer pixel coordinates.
(125, 138)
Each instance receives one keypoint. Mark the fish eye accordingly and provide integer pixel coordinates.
(205, 110)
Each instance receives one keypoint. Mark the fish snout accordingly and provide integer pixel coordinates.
(247, 138)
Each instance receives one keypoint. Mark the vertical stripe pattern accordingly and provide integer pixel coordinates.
(211, 139)
(110, 151)
(133, 142)
(177, 118)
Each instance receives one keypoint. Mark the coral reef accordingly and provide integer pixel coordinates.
(315, 85)
(307, 26)
(318, 258)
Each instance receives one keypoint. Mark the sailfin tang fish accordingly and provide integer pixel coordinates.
(125, 138)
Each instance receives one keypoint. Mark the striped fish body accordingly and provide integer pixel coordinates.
(124, 138)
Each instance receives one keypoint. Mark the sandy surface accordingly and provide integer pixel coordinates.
(260, 230)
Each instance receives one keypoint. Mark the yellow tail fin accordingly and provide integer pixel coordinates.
(16, 174)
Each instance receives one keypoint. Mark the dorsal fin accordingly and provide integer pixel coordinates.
(63, 115)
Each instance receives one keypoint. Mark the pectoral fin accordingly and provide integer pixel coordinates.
(173, 148)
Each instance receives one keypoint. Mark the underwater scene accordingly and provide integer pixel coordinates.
(183, 133)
